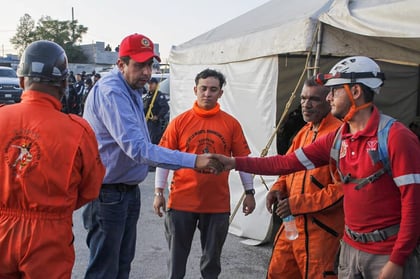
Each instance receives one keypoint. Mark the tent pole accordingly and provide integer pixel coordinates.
(264, 152)
(318, 48)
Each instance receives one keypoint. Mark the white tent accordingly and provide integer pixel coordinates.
(262, 53)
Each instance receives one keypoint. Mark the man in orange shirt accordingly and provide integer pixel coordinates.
(44, 174)
(196, 198)
(312, 197)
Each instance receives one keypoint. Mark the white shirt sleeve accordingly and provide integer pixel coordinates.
(247, 180)
(161, 178)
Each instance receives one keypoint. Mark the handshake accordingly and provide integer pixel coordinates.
(214, 163)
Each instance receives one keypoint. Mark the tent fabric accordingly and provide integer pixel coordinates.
(275, 27)
(339, 42)
(259, 53)
(375, 28)
(377, 18)
(281, 26)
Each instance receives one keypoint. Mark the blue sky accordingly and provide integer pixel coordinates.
(167, 22)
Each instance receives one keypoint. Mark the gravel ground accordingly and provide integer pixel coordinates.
(239, 261)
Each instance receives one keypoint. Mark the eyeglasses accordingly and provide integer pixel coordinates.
(333, 89)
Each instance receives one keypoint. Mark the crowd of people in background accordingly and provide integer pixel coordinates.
(79, 86)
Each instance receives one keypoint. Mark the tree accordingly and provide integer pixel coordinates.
(25, 33)
(65, 33)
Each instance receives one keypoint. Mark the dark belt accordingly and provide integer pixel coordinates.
(375, 236)
(121, 187)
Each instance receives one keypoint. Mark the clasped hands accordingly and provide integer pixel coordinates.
(214, 163)
(282, 208)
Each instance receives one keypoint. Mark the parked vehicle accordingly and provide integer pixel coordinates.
(160, 76)
(10, 90)
(164, 87)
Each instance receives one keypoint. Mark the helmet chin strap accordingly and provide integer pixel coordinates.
(353, 108)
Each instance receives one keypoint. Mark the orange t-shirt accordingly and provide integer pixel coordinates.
(199, 131)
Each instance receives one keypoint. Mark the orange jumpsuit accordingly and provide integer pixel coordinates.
(49, 167)
(317, 206)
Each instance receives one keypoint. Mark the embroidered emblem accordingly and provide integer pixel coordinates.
(372, 145)
(145, 42)
(343, 149)
(25, 155)
(22, 152)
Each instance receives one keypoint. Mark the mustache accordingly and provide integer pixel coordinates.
(309, 111)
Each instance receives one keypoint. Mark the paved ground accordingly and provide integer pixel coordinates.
(239, 261)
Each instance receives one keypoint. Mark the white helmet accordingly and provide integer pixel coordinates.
(356, 69)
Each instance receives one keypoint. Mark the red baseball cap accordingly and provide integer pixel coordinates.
(138, 47)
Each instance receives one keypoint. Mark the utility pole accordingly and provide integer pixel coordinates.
(72, 24)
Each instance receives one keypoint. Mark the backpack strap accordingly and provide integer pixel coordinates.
(381, 154)
(335, 154)
(384, 126)
(361, 182)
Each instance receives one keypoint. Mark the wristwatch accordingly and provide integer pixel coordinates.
(250, 192)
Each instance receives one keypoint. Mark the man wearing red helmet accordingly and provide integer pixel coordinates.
(381, 205)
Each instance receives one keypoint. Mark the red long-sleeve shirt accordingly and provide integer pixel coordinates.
(378, 205)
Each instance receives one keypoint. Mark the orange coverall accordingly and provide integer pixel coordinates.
(49, 167)
(317, 206)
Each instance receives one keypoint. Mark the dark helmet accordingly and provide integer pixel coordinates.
(88, 81)
(153, 80)
(45, 61)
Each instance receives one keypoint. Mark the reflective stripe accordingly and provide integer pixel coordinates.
(303, 159)
(407, 179)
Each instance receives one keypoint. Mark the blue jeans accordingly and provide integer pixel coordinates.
(111, 221)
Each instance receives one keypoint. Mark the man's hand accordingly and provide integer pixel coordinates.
(283, 208)
(207, 163)
(391, 271)
(158, 203)
(228, 163)
(273, 196)
(248, 205)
